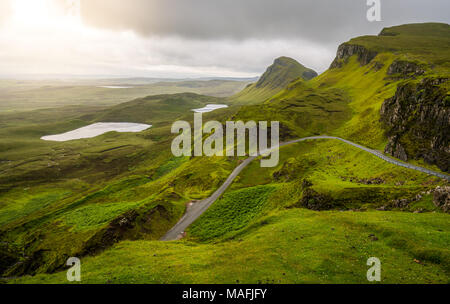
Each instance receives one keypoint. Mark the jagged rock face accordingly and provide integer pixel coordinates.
(441, 198)
(309, 74)
(345, 51)
(316, 201)
(405, 68)
(395, 149)
(417, 121)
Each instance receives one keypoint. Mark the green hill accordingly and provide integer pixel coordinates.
(158, 108)
(315, 218)
(283, 71)
(391, 69)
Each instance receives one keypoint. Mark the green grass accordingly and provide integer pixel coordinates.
(21, 205)
(301, 110)
(94, 216)
(293, 246)
(433, 46)
(233, 212)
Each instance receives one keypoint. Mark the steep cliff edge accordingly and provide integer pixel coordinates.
(347, 50)
(417, 122)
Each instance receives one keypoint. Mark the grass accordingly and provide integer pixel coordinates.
(96, 215)
(290, 246)
(301, 110)
(233, 212)
(65, 199)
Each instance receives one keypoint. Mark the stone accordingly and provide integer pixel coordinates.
(416, 120)
(441, 198)
(347, 50)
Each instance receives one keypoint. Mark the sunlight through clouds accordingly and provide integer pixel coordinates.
(150, 38)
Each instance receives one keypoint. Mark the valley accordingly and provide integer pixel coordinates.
(360, 175)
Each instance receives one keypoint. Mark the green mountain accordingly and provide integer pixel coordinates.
(315, 218)
(283, 71)
(383, 91)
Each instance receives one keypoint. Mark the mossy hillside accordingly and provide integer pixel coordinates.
(301, 110)
(289, 246)
(349, 98)
(370, 85)
(352, 178)
(366, 89)
(77, 222)
(424, 42)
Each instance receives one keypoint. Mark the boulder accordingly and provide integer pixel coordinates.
(441, 198)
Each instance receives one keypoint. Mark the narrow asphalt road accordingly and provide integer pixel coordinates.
(196, 210)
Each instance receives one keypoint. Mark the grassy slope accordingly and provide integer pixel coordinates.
(66, 193)
(296, 246)
(368, 88)
(284, 244)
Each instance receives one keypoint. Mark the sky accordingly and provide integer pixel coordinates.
(187, 38)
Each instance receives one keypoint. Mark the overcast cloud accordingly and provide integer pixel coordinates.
(190, 38)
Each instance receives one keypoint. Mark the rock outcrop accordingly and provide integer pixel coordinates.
(441, 198)
(417, 122)
(316, 201)
(395, 148)
(406, 68)
(346, 50)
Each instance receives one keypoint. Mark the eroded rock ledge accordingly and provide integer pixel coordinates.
(417, 122)
(347, 50)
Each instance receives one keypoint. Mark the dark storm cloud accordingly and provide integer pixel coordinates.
(313, 20)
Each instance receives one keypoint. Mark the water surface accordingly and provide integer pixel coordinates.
(98, 129)
(210, 108)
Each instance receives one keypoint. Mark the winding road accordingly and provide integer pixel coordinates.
(196, 210)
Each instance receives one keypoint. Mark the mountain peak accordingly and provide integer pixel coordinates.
(283, 71)
(283, 60)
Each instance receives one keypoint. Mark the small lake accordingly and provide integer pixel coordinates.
(98, 129)
(114, 87)
(210, 108)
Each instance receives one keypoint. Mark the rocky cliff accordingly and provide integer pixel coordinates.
(346, 50)
(417, 121)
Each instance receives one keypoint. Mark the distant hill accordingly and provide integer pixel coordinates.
(283, 71)
(158, 108)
